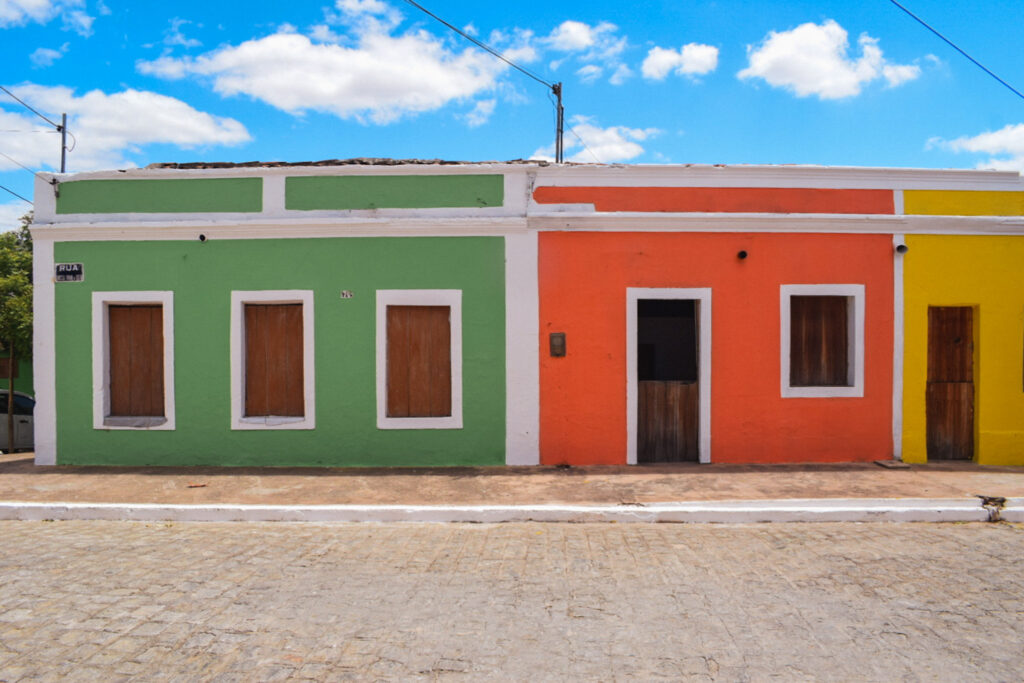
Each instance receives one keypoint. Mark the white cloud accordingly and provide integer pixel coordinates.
(11, 213)
(591, 43)
(322, 33)
(813, 59)
(573, 36)
(170, 68)
(364, 15)
(21, 12)
(692, 59)
(481, 113)
(599, 145)
(109, 127)
(597, 48)
(174, 36)
(373, 80)
(44, 56)
(897, 74)
(79, 22)
(589, 73)
(1006, 147)
(621, 75)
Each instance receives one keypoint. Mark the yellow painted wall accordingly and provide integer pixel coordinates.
(962, 203)
(986, 272)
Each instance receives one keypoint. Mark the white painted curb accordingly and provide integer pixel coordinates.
(1013, 511)
(724, 512)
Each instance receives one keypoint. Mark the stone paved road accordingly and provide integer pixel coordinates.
(106, 601)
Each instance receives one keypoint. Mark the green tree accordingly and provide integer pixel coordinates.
(15, 306)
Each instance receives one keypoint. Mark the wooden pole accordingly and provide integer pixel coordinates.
(10, 400)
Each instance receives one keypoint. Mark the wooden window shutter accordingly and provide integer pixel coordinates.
(819, 341)
(419, 361)
(274, 360)
(136, 360)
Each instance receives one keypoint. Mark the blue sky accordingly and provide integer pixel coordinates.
(661, 81)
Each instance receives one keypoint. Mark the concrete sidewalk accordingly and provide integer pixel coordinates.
(699, 493)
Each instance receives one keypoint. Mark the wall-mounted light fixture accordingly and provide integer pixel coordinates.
(902, 249)
(202, 238)
(741, 254)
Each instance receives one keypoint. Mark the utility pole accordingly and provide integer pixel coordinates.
(64, 141)
(560, 123)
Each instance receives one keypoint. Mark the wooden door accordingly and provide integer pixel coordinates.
(949, 399)
(668, 388)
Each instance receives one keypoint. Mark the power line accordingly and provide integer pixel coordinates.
(954, 46)
(481, 45)
(555, 88)
(15, 161)
(15, 194)
(27, 106)
(61, 127)
(576, 135)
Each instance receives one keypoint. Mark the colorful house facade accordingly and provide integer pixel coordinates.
(422, 314)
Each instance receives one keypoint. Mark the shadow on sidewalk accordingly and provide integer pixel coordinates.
(22, 463)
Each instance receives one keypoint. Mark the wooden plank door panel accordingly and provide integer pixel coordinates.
(950, 421)
(950, 344)
(667, 419)
(949, 394)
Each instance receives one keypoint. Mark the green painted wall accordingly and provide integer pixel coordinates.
(179, 195)
(202, 276)
(393, 192)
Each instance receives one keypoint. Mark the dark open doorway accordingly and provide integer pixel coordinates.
(668, 381)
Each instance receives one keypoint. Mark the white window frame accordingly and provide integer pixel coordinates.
(271, 296)
(419, 297)
(101, 303)
(702, 295)
(855, 340)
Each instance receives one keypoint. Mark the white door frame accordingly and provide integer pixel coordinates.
(702, 295)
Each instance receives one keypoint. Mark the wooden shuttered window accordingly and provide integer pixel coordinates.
(274, 360)
(819, 341)
(136, 360)
(419, 361)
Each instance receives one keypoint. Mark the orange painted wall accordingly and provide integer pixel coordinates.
(721, 199)
(583, 281)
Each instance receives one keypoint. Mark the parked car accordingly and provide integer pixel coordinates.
(24, 407)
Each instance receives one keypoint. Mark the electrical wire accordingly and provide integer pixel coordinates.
(954, 46)
(589, 151)
(15, 161)
(15, 194)
(27, 106)
(481, 44)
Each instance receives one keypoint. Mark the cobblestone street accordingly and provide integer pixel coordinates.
(105, 601)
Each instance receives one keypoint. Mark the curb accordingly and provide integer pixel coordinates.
(720, 512)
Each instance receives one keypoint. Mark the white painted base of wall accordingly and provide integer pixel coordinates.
(722, 512)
